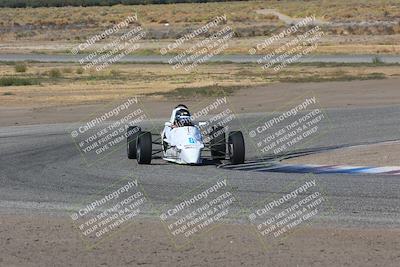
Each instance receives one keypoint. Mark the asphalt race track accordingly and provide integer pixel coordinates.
(42, 171)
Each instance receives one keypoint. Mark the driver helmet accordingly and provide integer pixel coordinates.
(182, 117)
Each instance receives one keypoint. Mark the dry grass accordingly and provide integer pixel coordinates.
(203, 12)
(45, 29)
(141, 79)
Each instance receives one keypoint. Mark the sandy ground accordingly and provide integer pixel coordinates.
(51, 240)
(384, 154)
(256, 99)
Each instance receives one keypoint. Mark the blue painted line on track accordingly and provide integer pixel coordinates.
(286, 168)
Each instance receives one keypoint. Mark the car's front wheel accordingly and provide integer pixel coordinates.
(132, 134)
(236, 147)
(144, 148)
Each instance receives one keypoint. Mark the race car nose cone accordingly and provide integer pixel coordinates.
(191, 155)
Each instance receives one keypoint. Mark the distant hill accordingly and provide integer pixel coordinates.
(61, 3)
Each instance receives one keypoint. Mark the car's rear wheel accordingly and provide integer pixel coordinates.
(218, 143)
(144, 148)
(236, 148)
(132, 134)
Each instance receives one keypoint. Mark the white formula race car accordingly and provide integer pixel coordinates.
(182, 141)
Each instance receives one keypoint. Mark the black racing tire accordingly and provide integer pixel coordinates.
(236, 147)
(144, 148)
(132, 134)
(218, 143)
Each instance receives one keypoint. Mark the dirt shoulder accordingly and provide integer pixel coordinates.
(383, 154)
(247, 100)
(24, 238)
